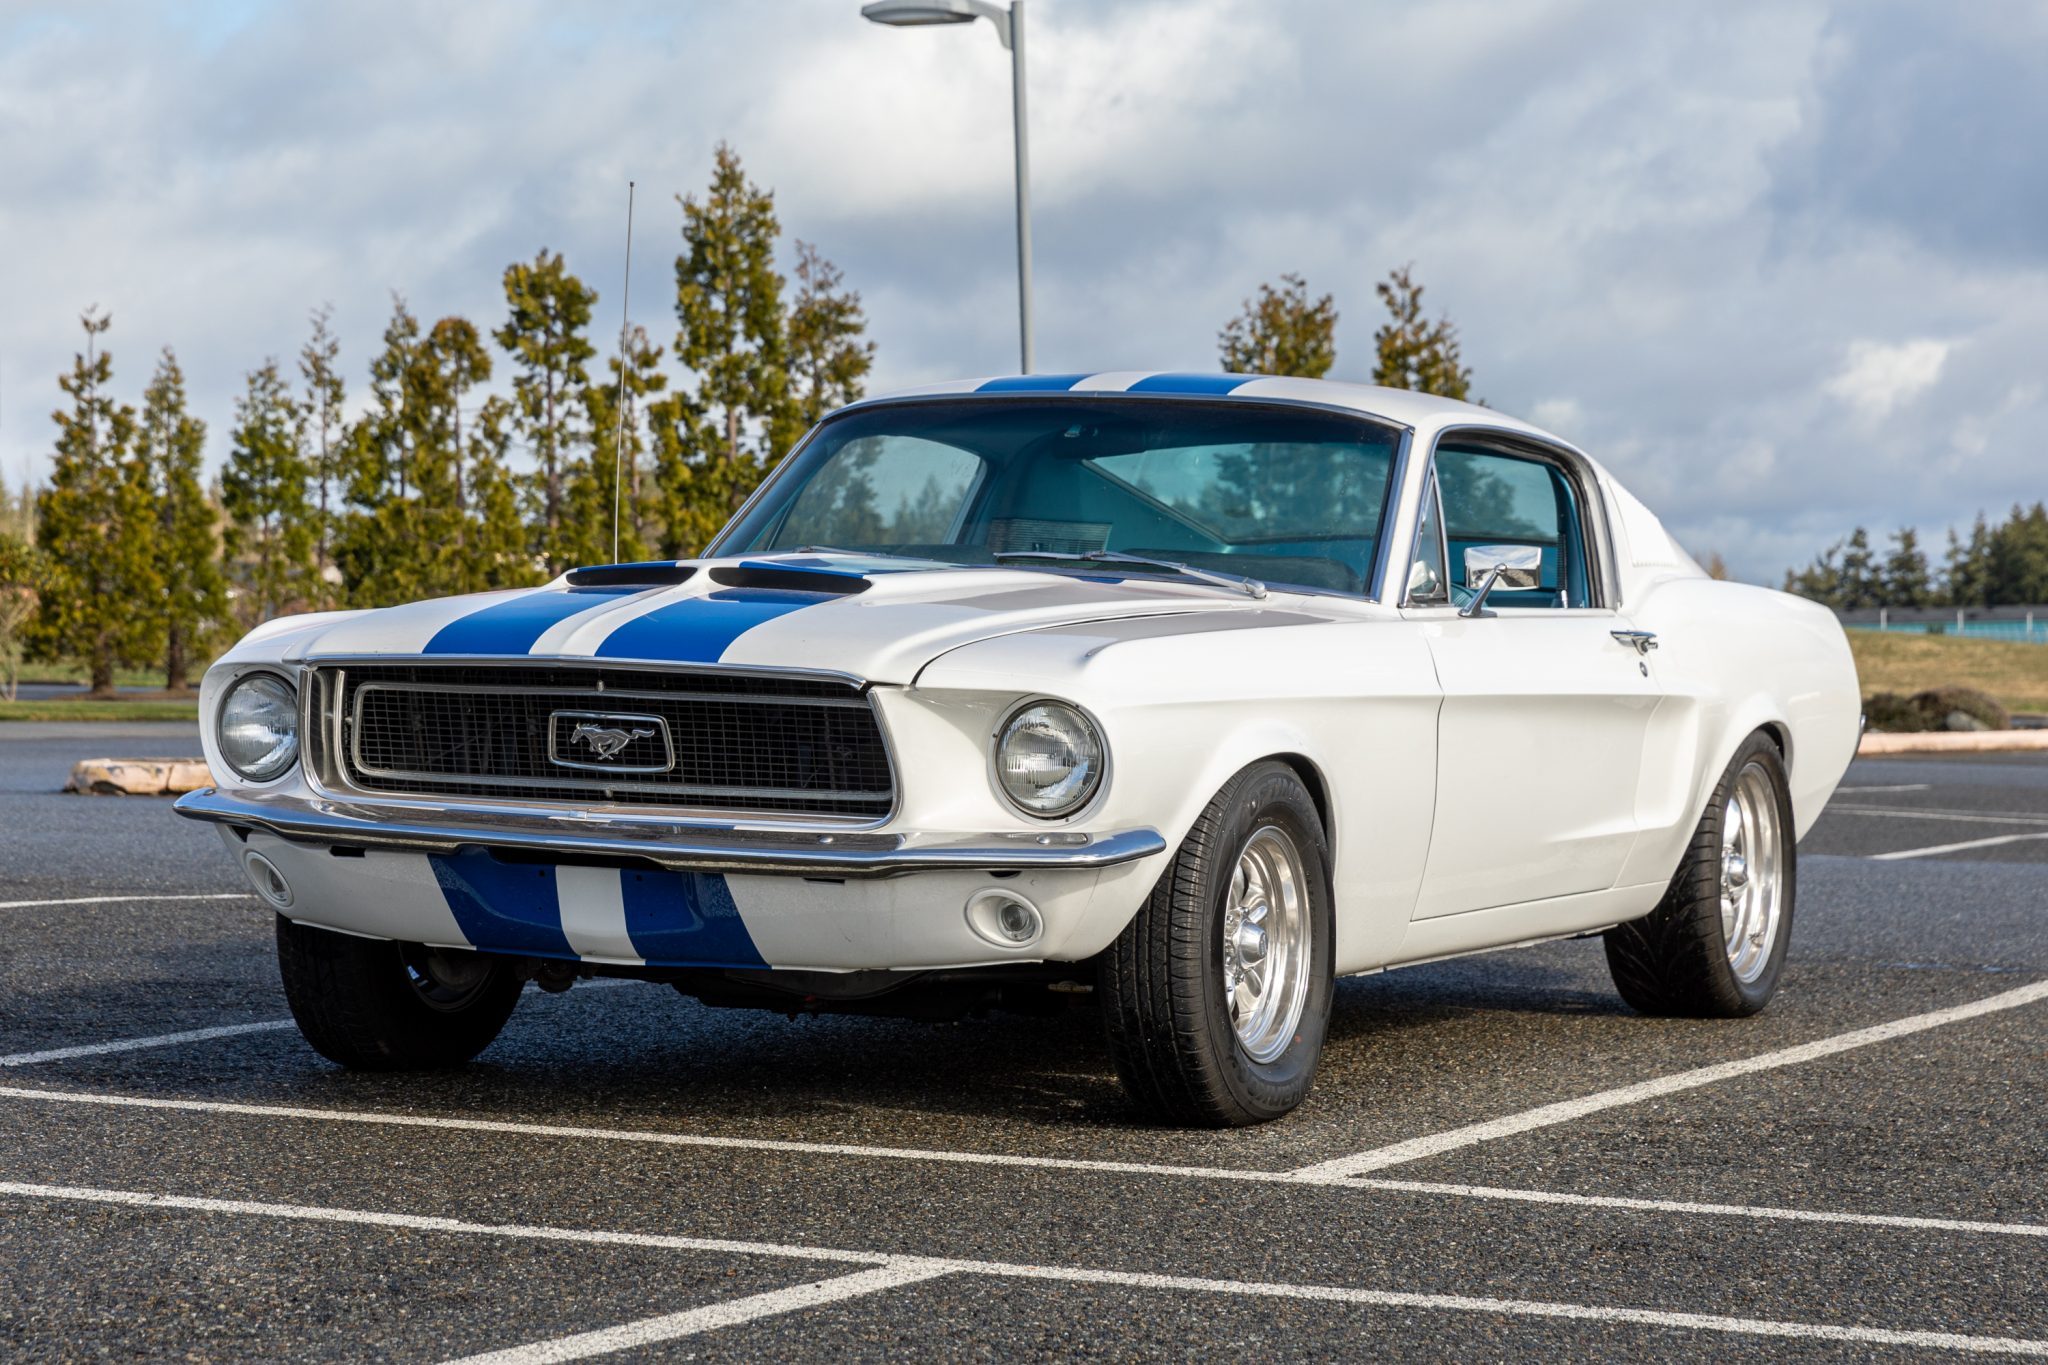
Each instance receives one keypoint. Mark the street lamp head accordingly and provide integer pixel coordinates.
(922, 13)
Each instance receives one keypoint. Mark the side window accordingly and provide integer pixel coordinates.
(1510, 510)
(1428, 584)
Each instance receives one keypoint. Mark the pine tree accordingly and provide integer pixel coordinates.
(2018, 573)
(21, 583)
(1967, 579)
(829, 356)
(1414, 354)
(592, 494)
(550, 308)
(1907, 582)
(1861, 584)
(171, 443)
(1820, 581)
(325, 428)
(733, 337)
(499, 553)
(96, 524)
(1282, 332)
(271, 536)
(684, 506)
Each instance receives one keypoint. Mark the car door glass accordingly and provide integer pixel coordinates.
(1428, 585)
(1517, 513)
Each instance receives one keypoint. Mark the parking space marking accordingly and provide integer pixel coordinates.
(711, 1317)
(1377, 1298)
(1949, 817)
(1564, 1111)
(122, 900)
(1896, 787)
(197, 1035)
(1933, 849)
(997, 1159)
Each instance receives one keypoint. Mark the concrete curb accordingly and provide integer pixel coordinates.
(139, 776)
(1953, 742)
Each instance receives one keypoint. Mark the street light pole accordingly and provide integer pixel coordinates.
(1009, 26)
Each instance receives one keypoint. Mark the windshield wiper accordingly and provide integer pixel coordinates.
(1250, 587)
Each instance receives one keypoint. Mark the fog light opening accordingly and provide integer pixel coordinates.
(1004, 918)
(268, 881)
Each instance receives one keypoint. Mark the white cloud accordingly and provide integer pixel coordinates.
(1877, 378)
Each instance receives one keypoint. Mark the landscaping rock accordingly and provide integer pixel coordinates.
(139, 776)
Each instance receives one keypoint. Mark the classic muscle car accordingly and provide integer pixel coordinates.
(1180, 695)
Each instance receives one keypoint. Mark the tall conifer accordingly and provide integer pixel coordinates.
(271, 535)
(544, 333)
(171, 443)
(325, 430)
(1413, 352)
(1282, 331)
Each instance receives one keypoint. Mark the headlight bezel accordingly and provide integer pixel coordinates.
(1088, 724)
(293, 754)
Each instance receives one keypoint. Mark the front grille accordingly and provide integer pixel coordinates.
(711, 741)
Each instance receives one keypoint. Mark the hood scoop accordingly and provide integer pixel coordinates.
(786, 578)
(655, 574)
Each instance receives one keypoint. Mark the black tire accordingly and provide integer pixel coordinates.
(1675, 960)
(1162, 982)
(374, 1005)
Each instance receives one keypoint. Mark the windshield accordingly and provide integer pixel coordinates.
(1288, 496)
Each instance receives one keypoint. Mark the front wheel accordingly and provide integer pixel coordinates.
(374, 1005)
(1217, 994)
(1714, 946)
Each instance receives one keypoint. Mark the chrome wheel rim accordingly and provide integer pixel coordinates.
(1265, 943)
(1752, 872)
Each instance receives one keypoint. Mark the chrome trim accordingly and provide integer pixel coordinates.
(665, 843)
(397, 660)
(600, 764)
(1603, 571)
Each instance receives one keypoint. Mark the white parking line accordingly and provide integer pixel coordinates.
(122, 900)
(1898, 787)
(1933, 849)
(997, 1159)
(711, 1317)
(1436, 1144)
(1378, 1298)
(1947, 817)
(197, 1035)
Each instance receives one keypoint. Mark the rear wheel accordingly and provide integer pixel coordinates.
(375, 1005)
(1715, 944)
(1217, 994)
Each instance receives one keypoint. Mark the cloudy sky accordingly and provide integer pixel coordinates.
(1783, 266)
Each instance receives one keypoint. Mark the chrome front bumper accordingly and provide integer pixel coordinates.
(668, 844)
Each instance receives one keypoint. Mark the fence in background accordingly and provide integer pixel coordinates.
(2025, 624)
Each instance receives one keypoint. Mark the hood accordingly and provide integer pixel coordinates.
(878, 619)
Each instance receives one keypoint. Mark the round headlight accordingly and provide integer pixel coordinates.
(1049, 759)
(259, 727)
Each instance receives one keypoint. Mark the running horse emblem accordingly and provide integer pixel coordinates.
(606, 741)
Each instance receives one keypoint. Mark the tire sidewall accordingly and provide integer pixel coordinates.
(1754, 995)
(1270, 794)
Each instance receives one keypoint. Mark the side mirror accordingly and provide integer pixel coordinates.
(1477, 606)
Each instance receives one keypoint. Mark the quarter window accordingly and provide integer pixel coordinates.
(1512, 510)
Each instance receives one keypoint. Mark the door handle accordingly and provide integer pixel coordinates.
(1643, 640)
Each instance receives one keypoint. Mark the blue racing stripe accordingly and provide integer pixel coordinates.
(1190, 383)
(686, 919)
(1032, 383)
(698, 630)
(502, 907)
(512, 627)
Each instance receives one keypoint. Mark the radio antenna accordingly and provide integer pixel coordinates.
(625, 358)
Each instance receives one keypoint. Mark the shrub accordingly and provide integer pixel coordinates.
(1931, 709)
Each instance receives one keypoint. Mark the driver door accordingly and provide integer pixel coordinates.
(1545, 710)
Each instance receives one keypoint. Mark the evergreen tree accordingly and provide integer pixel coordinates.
(1282, 332)
(1414, 354)
(829, 357)
(1968, 575)
(171, 443)
(1907, 582)
(96, 525)
(592, 494)
(1862, 585)
(21, 581)
(271, 536)
(732, 337)
(685, 506)
(2018, 573)
(1820, 581)
(325, 429)
(550, 308)
(499, 553)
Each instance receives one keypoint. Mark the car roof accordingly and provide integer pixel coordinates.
(1404, 407)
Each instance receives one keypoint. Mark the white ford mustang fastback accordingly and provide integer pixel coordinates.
(1187, 693)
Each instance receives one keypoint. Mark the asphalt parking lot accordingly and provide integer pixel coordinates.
(1498, 1161)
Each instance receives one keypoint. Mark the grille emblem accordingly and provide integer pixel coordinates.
(609, 742)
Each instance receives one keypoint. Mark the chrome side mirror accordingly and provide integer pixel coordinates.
(1477, 606)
